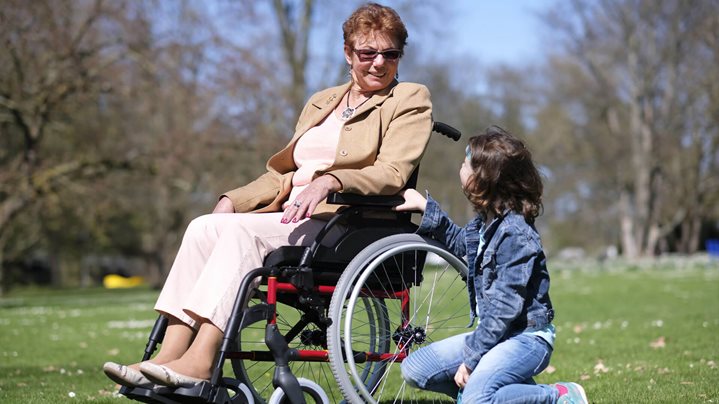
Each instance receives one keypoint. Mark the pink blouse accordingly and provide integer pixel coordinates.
(314, 151)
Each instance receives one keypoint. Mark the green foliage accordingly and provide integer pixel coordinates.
(625, 335)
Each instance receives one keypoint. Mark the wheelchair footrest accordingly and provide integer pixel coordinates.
(145, 395)
(199, 393)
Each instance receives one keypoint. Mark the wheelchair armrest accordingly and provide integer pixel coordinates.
(388, 201)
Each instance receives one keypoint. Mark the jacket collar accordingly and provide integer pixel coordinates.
(377, 99)
(491, 227)
(329, 99)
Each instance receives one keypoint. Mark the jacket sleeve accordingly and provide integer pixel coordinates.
(510, 271)
(257, 193)
(437, 223)
(402, 146)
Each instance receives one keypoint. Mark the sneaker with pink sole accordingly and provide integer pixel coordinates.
(571, 393)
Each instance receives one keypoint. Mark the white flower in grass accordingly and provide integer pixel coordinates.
(600, 368)
(71, 394)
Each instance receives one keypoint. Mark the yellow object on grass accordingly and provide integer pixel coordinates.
(114, 281)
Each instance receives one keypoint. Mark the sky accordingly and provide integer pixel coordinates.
(485, 32)
(498, 31)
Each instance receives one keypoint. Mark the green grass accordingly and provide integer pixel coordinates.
(638, 336)
(53, 343)
(628, 336)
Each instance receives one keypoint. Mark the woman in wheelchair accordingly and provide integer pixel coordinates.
(508, 283)
(364, 137)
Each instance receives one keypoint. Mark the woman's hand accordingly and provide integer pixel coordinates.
(462, 376)
(310, 197)
(224, 205)
(413, 200)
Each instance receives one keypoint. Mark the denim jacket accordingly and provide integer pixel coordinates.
(509, 277)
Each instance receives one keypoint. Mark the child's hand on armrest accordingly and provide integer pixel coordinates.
(413, 201)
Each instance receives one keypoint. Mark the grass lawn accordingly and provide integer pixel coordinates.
(628, 336)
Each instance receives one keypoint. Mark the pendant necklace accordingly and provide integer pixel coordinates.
(349, 112)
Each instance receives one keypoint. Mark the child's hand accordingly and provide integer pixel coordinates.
(413, 201)
(462, 376)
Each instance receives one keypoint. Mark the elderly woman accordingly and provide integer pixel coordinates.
(364, 137)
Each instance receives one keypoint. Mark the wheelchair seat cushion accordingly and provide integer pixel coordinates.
(285, 256)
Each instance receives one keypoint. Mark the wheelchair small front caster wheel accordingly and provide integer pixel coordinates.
(245, 391)
(243, 394)
(312, 391)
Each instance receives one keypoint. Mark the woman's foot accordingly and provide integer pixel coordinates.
(128, 376)
(193, 360)
(164, 375)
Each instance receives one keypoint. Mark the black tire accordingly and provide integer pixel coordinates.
(437, 301)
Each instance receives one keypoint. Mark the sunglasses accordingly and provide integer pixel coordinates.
(367, 55)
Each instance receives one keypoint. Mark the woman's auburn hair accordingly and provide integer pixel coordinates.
(504, 176)
(375, 17)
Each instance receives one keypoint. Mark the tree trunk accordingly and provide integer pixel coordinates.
(295, 43)
(2, 271)
(626, 220)
(690, 230)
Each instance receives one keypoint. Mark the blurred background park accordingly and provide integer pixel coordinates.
(122, 120)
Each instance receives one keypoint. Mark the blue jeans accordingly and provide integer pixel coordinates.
(503, 375)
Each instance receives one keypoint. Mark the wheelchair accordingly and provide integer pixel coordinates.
(332, 322)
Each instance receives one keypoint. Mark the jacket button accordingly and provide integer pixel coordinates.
(348, 128)
(343, 152)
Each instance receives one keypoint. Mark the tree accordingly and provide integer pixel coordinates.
(634, 84)
(51, 65)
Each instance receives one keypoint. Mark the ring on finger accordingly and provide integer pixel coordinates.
(297, 204)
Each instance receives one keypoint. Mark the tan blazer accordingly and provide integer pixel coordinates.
(378, 148)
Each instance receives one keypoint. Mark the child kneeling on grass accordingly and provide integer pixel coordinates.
(508, 283)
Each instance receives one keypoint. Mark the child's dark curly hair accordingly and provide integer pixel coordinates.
(504, 176)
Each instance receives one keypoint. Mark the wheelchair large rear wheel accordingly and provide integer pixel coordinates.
(423, 291)
(257, 373)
